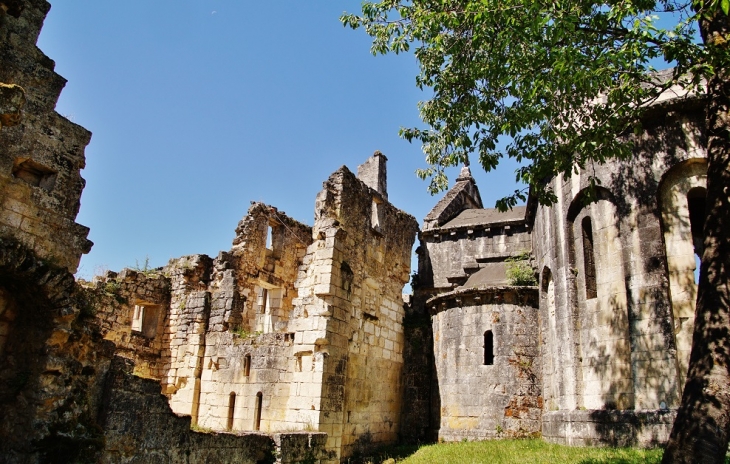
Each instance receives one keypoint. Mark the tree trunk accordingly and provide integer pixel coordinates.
(701, 430)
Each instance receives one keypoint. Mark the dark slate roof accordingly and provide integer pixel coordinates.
(486, 216)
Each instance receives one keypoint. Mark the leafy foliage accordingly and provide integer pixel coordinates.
(519, 271)
(558, 79)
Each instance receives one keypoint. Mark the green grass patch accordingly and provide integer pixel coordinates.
(510, 452)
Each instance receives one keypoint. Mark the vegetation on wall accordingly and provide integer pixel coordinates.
(519, 270)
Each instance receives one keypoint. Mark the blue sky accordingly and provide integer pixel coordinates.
(198, 107)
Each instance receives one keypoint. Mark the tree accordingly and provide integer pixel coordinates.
(558, 80)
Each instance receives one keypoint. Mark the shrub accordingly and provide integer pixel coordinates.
(519, 271)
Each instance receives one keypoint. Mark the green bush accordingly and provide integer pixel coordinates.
(519, 271)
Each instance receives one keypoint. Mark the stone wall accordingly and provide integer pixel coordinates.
(417, 425)
(293, 329)
(52, 362)
(350, 311)
(41, 152)
(266, 254)
(140, 427)
(52, 357)
(616, 278)
(649, 429)
(130, 309)
(487, 363)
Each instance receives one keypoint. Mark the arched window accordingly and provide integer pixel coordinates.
(589, 259)
(488, 348)
(257, 411)
(231, 409)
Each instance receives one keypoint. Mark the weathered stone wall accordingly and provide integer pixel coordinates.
(487, 391)
(456, 253)
(683, 245)
(229, 338)
(131, 311)
(416, 424)
(52, 357)
(350, 311)
(41, 152)
(611, 335)
(140, 427)
(608, 428)
(268, 249)
(52, 362)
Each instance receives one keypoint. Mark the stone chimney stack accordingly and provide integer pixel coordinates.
(374, 174)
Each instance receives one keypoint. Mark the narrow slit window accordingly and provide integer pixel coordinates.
(231, 410)
(376, 212)
(257, 411)
(247, 365)
(589, 259)
(488, 348)
(269, 237)
(696, 199)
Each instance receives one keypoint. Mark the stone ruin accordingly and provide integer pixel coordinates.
(296, 345)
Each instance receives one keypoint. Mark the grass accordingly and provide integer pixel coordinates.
(509, 452)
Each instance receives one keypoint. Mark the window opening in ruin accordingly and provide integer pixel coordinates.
(144, 320)
(257, 411)
(269, 237)
(137, 318)
(269, 305)
(231, 409)
(589, 260)
(488, 348)
(299, 364)
(34, 174)
(696, 199)
(263, 300)
(376, 212)
(247, 365)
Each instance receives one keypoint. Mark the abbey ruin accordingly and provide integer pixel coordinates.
(297, 345)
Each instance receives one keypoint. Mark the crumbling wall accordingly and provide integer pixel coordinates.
(351, 311)
(52, 362)
(268, 249)
(131, 309)
(487, 363)
(52, 357)
(140, 427)
(41, 152)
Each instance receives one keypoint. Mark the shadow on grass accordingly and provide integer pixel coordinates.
(395, 453)
(507, 452)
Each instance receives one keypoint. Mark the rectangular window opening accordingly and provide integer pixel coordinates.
(34, 173)
(488, 348)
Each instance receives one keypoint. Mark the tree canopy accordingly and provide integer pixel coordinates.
(558, 80)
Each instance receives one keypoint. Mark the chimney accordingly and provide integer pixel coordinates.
(374, 174)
